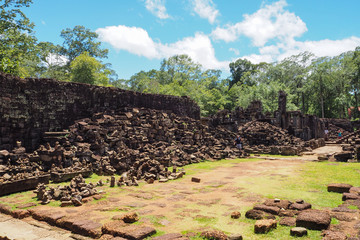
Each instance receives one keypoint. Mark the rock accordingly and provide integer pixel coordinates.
(235, 237)
(112, 181)
(339, 187)
(343, 156)
(4, 153)
(355, 190)
(195, 179)
(214, 234)
(350, 196)
(110, 237)
(257, 215)
(121, 229)
(288, 213)
(129, 217)
(313, 219)
(265, 225)
(278, 203)
(300, 206)
(235, 215)
(332, 235)
(288, 221)
(269, 209)
(66, 204)
(170, 236)
(298, 232)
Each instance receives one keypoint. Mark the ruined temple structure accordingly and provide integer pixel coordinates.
(30, 107)
(297, 124)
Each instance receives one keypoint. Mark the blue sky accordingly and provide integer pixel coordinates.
(140, 33)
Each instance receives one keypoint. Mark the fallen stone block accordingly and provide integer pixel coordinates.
(298, 232)
(300, 206)
(288, 221)
(278, 203)
(170, 236)
(313, 219)
(331, 235)
(258, 214)
(194, 179)
(269, 209)
(214, 234)
(350, 196)
(235, 215)
(235, 237)
(133, 232)
(264, 225)
(339, 187)
(355, 190)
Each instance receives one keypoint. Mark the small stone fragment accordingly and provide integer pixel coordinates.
(298, 232)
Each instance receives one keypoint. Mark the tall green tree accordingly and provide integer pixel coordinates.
(86, 69)
(17, 43)
(79, 40)
(241, 70)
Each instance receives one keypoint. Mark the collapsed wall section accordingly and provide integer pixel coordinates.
(29, 107)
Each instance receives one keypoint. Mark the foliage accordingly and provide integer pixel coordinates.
(17, 44)
(86, 69)
(79, 40)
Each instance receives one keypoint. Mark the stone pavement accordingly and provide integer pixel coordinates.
(32, 230)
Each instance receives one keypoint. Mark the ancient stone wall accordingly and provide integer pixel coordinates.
(30, 107)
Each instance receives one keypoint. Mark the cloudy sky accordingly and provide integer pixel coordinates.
(140, 33)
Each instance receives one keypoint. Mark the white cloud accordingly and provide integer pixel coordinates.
(137, 41)
(132, 39)
(269, 22)
(206, 9)
(157, 7)
(320, 48)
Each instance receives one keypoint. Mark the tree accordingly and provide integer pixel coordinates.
(17, 44)
(240, 69)
(86, 69)
(179, 68)
(79, 40)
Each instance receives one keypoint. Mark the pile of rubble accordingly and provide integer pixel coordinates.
(334, 131)
(72, 194)
(263, 137)
(139, 142)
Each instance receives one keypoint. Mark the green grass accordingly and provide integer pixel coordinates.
(210, 165)
(273, 155)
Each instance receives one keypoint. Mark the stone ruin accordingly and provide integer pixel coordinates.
(301, 126)
(30, 107)
(70, 129)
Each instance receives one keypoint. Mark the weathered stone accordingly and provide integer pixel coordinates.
(235, 215)
(257, 215)
(284, 204)
(170, 236)
(265, 225)
(355, 190)
(339, 187)
(298, 232)
(270, 209)
(313, 219)
(333, 235)
(127, 217)
(300, 206)
(288, 221)
(350, 196)
(134, 232)
(110, 237)
(195, 179)
(235, 237)
(214, 234)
